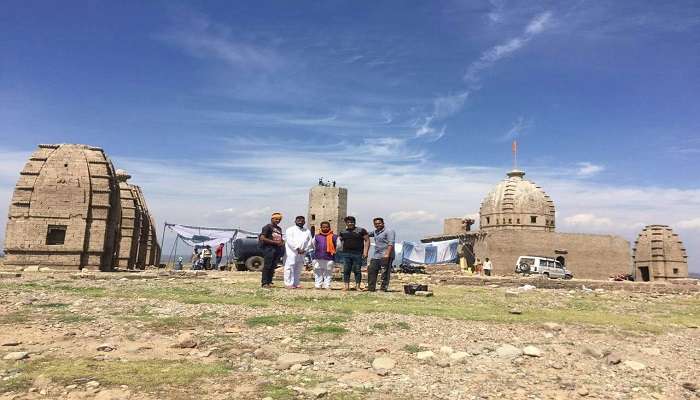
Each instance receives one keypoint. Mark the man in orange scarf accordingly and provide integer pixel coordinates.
(324, 254)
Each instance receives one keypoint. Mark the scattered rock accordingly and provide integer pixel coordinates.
(510, 293)
(286, 360)
(592, 351)
(295, 367)
(41, 382)
(92, 384)
(424, 293)
(515, 311)
(185, 341)
(106, 347)
(652, 351)
(317, 392)
(16, 356)
(358, 378)
(11, 343)
(552, 326)
(634, 365)
(425, 355)
(384, 363)
(508, 351)
(613, 358)
(446, 350)
(113, 394)
(532, 351)
(265, 353)
(583, 392)
(203, 354)
(443, 363)
(459, 356)
(690, 386)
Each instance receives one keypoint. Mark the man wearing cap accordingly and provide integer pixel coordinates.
(298, 242)
(273, 248)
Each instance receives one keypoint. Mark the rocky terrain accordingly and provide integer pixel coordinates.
(218, 336)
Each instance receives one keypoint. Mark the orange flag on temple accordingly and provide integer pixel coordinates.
(515, 147)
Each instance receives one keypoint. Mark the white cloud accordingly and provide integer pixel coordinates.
(448, 105)
(496, 13)
(200, 37)
(520, 125)
(689, 224)
(536, 26)
(258, 212)
(588, 220)
(539, 23)
(586, 169)
(443, 107)
(415, 216)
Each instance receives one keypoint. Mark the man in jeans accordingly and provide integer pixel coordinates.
(383, 256)
(355, 246)
(273, 248)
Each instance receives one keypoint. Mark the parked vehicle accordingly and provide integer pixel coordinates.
(546, 266)
(247, 254)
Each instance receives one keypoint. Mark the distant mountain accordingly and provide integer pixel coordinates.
(695, 275)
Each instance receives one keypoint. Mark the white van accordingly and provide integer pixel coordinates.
(547, 267)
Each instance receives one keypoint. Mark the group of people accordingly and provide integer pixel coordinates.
(201, 257)
(350, 247)
(479, 267)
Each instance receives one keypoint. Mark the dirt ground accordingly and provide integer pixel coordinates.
(219, 336)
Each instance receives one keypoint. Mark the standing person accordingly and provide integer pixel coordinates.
(219, 255)
(299, 242)
(478, 267)
(383, 256)
(324, 243)
(273, 248)
(487, 267)
(462, 253)
(195, 257)
(206, 257)
(355, 246)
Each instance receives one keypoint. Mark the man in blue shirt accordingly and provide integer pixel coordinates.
(382, 257)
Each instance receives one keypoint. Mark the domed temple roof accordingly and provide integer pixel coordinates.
(659, 254)
(517, 203)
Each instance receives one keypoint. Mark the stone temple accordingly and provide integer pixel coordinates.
(138, 245)
(66, 213)
(659, 254)
(517, 218)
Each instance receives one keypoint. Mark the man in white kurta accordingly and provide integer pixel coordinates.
(298, 242)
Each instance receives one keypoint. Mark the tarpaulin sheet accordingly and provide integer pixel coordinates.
(196, 236)
(430, 253)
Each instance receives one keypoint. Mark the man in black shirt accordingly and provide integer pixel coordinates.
(273, 248)
(355, 242)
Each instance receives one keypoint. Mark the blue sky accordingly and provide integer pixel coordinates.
(225, 111)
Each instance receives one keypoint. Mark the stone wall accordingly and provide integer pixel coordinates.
(587, 256)
(678, 286)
